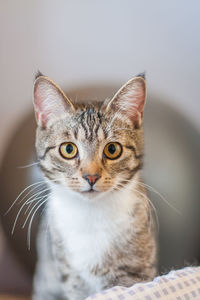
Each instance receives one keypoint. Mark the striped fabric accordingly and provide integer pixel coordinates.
(182, 284)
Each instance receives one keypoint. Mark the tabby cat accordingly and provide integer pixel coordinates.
(97, 230)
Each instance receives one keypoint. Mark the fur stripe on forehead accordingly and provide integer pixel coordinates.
(130, 99)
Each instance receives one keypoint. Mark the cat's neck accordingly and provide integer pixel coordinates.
(90, 226)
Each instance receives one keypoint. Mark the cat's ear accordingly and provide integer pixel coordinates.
(50, 102)
(130, 99)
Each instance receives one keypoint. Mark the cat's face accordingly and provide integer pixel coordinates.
(94, 148)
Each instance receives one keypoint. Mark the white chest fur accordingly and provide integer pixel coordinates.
(89, 227)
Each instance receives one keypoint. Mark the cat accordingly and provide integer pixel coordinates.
(97, 230)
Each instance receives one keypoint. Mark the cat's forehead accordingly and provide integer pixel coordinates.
(89, 124)
(93, 124)
(89, 116)
(85, 124)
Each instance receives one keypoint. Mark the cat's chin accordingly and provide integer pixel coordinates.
(93, 194)
(90, 193)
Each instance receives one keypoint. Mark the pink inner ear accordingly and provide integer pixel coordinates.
(139, 107)
(41, 111)
(131, 100)
(43, 119)
(50, 101)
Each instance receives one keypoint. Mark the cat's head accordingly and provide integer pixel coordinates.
(93, 148)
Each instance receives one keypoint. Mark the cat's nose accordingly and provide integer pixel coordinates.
(91, 179)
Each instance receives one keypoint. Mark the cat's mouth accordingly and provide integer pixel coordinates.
(90, 191)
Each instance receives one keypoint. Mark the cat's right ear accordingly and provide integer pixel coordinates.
(50, 102)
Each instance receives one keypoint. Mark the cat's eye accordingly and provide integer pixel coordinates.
(68, 150)
(113, 150)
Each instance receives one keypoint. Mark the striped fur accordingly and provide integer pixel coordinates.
(101, 238)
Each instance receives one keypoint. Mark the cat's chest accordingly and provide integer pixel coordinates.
(88, 233)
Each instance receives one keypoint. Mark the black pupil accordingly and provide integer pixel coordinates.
(111, 148)
(69, 148)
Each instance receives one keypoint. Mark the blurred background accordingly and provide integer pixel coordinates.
(98, 45)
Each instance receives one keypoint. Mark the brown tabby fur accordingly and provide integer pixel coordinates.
(132, 248)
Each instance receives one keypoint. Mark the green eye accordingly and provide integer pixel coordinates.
(113, 150)
(68, 150)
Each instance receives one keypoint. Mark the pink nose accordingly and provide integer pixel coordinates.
(91, 179)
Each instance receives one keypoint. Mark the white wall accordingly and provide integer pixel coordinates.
(77, 42)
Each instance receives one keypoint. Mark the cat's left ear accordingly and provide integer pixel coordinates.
(130, 99)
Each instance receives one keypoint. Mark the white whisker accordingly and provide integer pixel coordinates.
(34, 185)
(30, 224)
(148, 202)
(35, 188)
(23, 205)
(36, 195)
(29, 165)
(162, 197)
(24, 190)
(39, 200)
